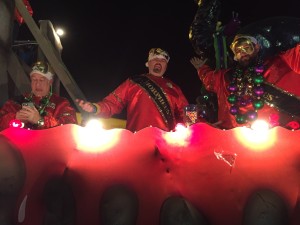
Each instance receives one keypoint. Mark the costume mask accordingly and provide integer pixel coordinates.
(243, 44)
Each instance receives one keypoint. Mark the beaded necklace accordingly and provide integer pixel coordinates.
(42, 104)
(246, 89)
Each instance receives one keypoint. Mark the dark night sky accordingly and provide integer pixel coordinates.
(108, 41)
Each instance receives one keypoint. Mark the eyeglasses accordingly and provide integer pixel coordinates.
(242, 46)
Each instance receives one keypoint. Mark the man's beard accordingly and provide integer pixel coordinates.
(248, 62)
(157, 68)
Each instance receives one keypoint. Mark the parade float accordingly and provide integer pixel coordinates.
(215, 170)
(63, 172)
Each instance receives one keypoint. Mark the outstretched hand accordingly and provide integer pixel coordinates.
(197, 62)
(86, 106)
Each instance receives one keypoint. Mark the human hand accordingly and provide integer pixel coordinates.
(28, 114)
(197, 62)
(86, 106)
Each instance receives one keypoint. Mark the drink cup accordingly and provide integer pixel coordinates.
(190, 114)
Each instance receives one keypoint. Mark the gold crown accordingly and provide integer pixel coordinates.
(42, 67)
(158, 52)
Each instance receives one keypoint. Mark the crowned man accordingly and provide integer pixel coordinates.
(254, 89)
(150, 99)
(40, 108)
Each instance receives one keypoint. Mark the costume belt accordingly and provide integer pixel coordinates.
(158, 96)
(281, 99)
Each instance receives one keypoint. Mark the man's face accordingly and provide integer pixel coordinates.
(40, 85)
(244, 52)
(157, 66)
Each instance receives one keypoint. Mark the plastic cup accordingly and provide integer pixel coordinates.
(190, 114)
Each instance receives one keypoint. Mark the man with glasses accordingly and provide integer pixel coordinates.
(39, 109)
(255, 88)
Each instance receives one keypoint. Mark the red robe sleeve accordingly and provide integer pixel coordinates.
(115, 102)
(8, 113)
(59, 112)
(292, 58)
(181, 102)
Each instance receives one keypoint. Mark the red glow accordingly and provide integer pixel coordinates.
(16, 124)
(212, 167)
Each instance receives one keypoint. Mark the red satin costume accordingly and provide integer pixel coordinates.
(141, 109)
(58, 112)
(282, 70)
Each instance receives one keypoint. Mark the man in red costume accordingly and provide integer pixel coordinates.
(41, 108)
(255, 88)
(150, 99)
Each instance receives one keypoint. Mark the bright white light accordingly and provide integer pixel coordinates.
(60, 32)
(259, 137)
(16, 123)
(93, 138)
(260, 126)
(179, 137)
(94, 125)
(180, 127)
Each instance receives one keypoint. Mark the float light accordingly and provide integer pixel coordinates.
(258, 138)
(16, 124)
(179, 137)
(93, 138)
(260, 126)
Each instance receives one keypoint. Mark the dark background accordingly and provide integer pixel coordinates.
(108, 41)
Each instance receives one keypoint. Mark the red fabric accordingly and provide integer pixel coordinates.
(282, 70)
(141, 109)
(18, 16)
(59, 111)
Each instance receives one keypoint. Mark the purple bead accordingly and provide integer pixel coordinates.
(249, 101)
(234, 110)
(243, 102)
(259, 69)
(232, 88)
(251, 115)
(259, 91)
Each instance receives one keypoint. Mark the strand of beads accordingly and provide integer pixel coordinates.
(42, 104)
(246, 88)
